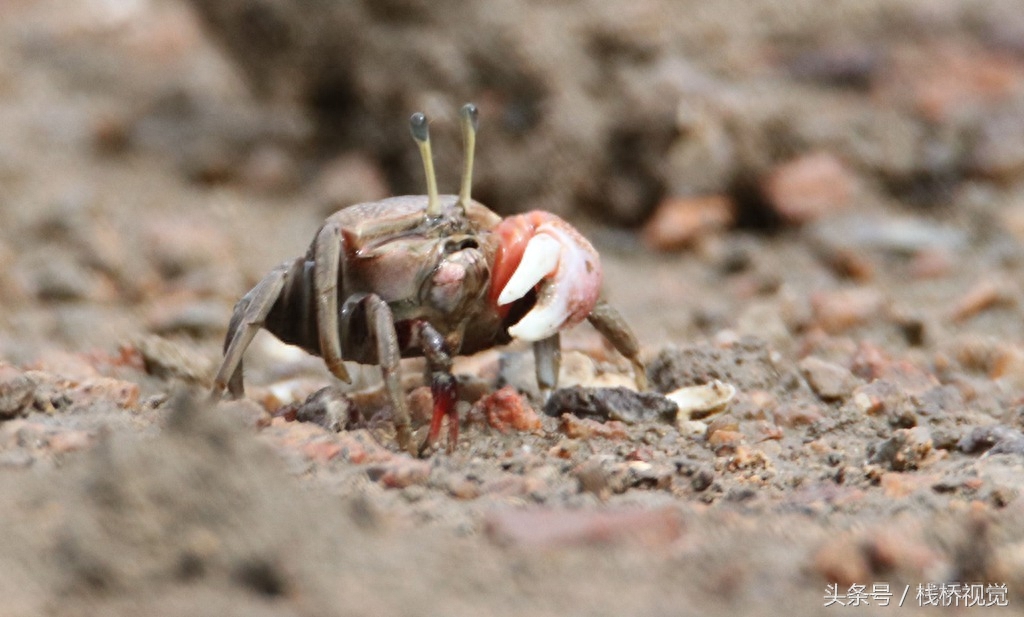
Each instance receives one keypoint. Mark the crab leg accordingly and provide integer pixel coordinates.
(443, 387)
(382, 327)
(547, 355)
(614, 328)
(327, 259)
(249, 316)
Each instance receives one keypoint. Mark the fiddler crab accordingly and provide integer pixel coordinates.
(432, 276)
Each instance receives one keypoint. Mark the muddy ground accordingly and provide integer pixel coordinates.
(824, 209)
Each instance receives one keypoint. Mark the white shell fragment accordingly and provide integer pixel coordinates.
(696, 402)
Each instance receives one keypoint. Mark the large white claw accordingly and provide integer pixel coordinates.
(566, 273)
(540, 258)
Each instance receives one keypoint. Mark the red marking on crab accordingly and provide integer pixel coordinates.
(513, 233)
(444, 393)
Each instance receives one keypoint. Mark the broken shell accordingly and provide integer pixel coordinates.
(696, 402)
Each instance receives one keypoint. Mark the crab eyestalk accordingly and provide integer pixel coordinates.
(468, 113)
(421, 133)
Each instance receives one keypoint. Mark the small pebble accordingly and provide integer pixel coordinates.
(908, 449)
(681, 221)
(167, 359)
(982, 296)
(809, 188)
(829, 381)
(506, 409)
(989, 438)
(838, 310)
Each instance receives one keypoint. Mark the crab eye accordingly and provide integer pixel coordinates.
(454, 246)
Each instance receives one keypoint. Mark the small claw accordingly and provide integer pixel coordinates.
(559, 264)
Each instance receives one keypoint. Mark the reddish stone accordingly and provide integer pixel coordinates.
(871, 363)
(982, 296)
(810, 187)
(506, 409)
(725, 442)
(680, 221)
(841, 309)
(797, 414)
(321, 451)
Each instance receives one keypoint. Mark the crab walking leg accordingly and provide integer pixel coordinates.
(382, 328)
(443, 387)
(250, 314)
(547, 355)
(327, 261)
(614, 328)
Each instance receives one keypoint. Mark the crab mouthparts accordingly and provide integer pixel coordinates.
(563, 268)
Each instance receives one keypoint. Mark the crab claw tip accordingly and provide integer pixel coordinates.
(539, 324)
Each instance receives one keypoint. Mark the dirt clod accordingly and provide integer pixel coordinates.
(907, 449)
(328, 408)
(994, 439)
(168, 359)
(506, 409)
(749, 365)
(17, 391)
(829, 381)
